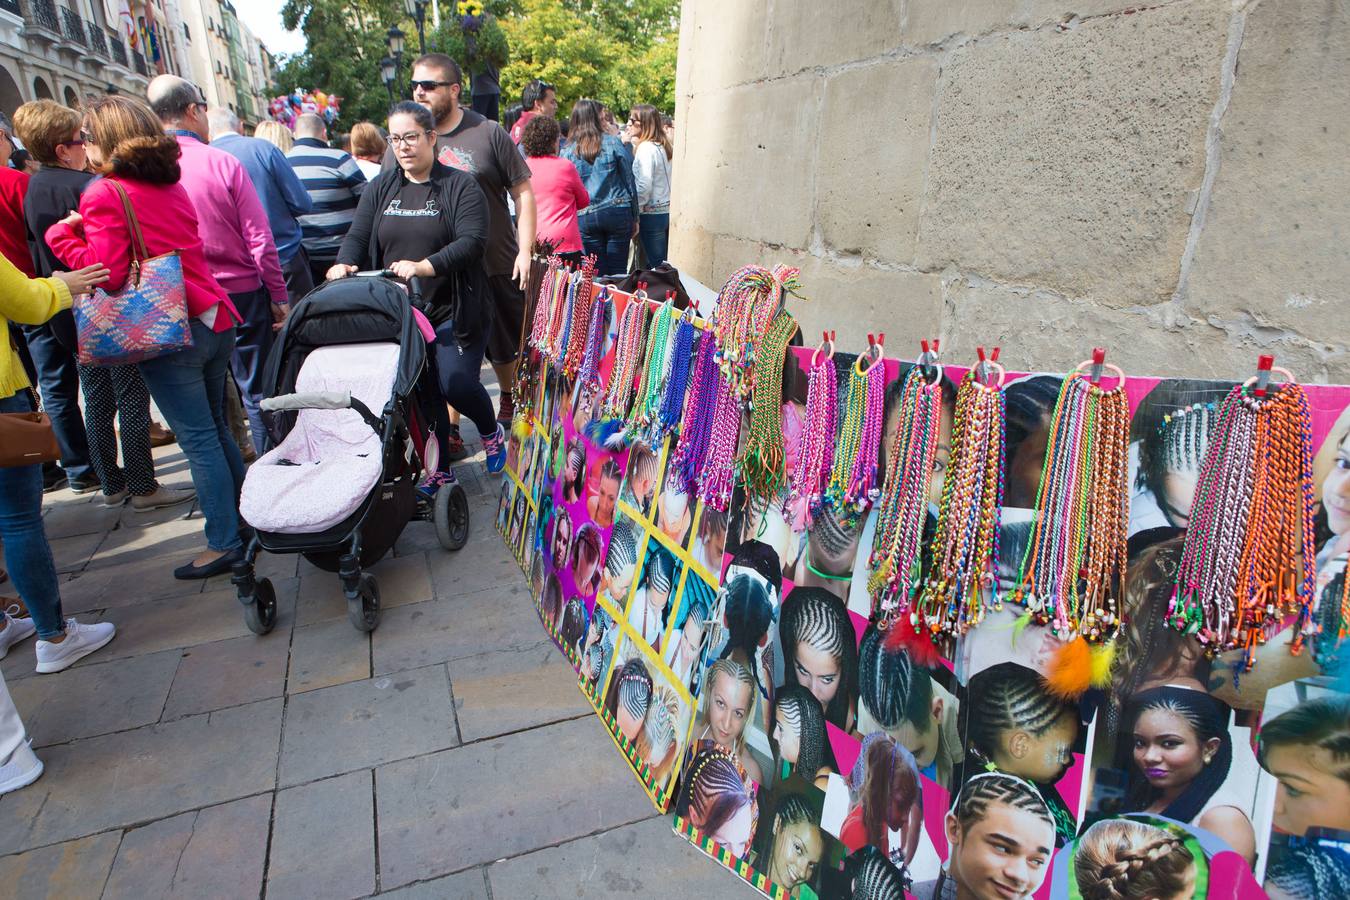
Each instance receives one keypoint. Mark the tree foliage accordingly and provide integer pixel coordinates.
(620, 52)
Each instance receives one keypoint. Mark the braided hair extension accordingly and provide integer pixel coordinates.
(816, 617)
(713, 790)
(875, 877)
(1208, 717)
(1009, 697)
(572, 630)
(622, 548)
(1120, 859)
(892, 688)
(798, 711)
(1304, 870)
(1323, 723)
(884, 770)
(630, 687)
(987, 788)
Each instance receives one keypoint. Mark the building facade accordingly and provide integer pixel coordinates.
(69, 50)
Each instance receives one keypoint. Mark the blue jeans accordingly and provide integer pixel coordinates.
(252, 343)
(459, 377)
(59, 384)
(28, 556)
(607, 234)
(189, 388)
(654, 235)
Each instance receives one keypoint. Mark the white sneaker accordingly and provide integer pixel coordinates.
(20, 770)
(162, 497)
(81, 640)
(15, 630)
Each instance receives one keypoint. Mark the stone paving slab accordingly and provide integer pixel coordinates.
(74, 870)
(123, 585)
(444, 812)
(323, 840)
(214, 852)
(402, 580)
(229, 673)
(173, 535)
(84, 701)
(73, 553)
(137, 776)
(467, 885)
(645, 859)
(456, 627)
(70, 520)
(366, 723)
(327, 653)
(482, 565)
(505, 691)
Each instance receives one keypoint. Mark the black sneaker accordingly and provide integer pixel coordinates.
(53, 479)
(454, 445)
(84, 485)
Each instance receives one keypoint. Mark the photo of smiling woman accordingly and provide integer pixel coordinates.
(1124, 859)
(1000, 837)
(716, 798)
(1331, 470)
(728, 706)
(1016, 726)
(1180, 758)
(820, 652)
(790, 847)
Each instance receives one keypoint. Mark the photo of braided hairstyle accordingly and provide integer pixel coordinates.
(713, 790)
(631, 686)
(1120, 859)
(787, 806)
(574, 472)
(656, 741)
(891, 687)
(799, 713)
(1009, 697)
(1323, 723)
(622, 548)
(875, 877)
(588, 548)
(572, 629)
(988, 788)
(816, 617)
(1209, 718)
(1303, 870)
(884, 769)
(738, 674)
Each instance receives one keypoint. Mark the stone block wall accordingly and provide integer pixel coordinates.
(1171, 180)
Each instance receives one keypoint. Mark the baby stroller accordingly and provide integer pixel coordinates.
(352, 401)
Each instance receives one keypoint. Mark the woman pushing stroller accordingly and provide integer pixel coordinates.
(429, 221)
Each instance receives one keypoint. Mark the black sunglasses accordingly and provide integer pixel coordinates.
(427, 86)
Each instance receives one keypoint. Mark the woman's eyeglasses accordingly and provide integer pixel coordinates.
(409, 138)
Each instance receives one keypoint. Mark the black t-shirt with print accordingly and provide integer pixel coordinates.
(411, 227)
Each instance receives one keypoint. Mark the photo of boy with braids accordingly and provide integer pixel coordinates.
(1017, 727)
(1000, 837)
(873, 877)
(1124, 859)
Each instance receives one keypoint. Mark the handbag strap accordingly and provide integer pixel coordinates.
(34, 397)
(139, 253)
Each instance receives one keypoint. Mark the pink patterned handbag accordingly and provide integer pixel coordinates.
(147, 318)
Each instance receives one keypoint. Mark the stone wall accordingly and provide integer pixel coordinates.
(1170, 181)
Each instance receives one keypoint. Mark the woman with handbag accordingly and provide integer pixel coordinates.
(139, 222)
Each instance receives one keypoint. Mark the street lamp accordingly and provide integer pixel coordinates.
(418, 10)
(389, 72)
(394, 40)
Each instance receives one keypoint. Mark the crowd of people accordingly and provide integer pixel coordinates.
(442, 196)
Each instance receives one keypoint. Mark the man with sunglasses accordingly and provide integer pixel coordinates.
(481, 147)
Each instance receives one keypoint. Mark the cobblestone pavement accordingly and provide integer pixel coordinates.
(448, 754)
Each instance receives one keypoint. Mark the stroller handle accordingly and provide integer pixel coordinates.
(413, 285)
(321, 400)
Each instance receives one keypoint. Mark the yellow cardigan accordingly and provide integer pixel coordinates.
(28, 301)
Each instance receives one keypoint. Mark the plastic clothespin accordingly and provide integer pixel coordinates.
(1098, 362)
(937, 346)
(994, 356)
(1264, 363)
(981, 369)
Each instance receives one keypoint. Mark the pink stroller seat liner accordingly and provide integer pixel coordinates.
(330, 461)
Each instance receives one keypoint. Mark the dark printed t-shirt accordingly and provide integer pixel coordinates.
(411, 228)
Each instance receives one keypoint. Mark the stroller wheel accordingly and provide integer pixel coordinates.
(261, 614)
(363, 609)
(452, 516)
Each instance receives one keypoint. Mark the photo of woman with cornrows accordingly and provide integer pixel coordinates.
(717, 798)
(801, 744)
(726, 708)
(790, 847)
(820, 652)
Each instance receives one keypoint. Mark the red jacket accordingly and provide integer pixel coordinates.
(13, 232)
(168, 221)
(558, 194)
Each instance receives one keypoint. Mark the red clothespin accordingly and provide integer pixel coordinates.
(981, 369)
(1264, 363)
(937, 345)
(1098, 362)
(994, 357)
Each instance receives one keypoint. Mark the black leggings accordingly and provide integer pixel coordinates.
(459, 376)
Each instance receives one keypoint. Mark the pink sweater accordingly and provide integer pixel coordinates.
(231, 220)
(168, 222)
(558, 194)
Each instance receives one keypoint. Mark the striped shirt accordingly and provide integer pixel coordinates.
(334, 183)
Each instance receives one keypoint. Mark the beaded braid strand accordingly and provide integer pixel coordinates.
(746, 306)
(719, 466)
(573, 349)
(589, 375)
(647, 405)
(696, 427)
(817, 448)
(852, 484)
(762, 465)
(628, 348)
(677, 381)
(549, 287)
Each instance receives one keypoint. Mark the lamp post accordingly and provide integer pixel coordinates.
(389, 72)
(418, 10)
(394, 40)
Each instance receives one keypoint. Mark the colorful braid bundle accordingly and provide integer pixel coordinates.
(852, 484)
(719, 465)
(692, 448)
(588, 376)
(965, 547)
(677, 380)
(656, 360)
(628, 347)
(1249, 554)
(896, 555)
(746, 306)
(761, 461)
(817, 448)
(1073, 572)
(572, 350)
(551, 287)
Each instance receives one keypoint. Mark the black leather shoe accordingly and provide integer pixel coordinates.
(216, 567)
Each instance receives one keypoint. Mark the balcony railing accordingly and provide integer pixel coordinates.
(72, 26)
(119, 50)
(98, 38)
(42, 13)
(138, 62)
(11, 6)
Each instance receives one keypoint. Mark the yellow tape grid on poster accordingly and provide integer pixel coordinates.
(720, 854)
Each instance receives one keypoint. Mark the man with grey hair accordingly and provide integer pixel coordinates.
(281, 193)
(235, 235)
(334, 182)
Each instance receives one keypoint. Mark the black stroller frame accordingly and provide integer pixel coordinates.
(381, 311)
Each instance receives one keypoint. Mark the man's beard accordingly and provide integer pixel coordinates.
(440, 111)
